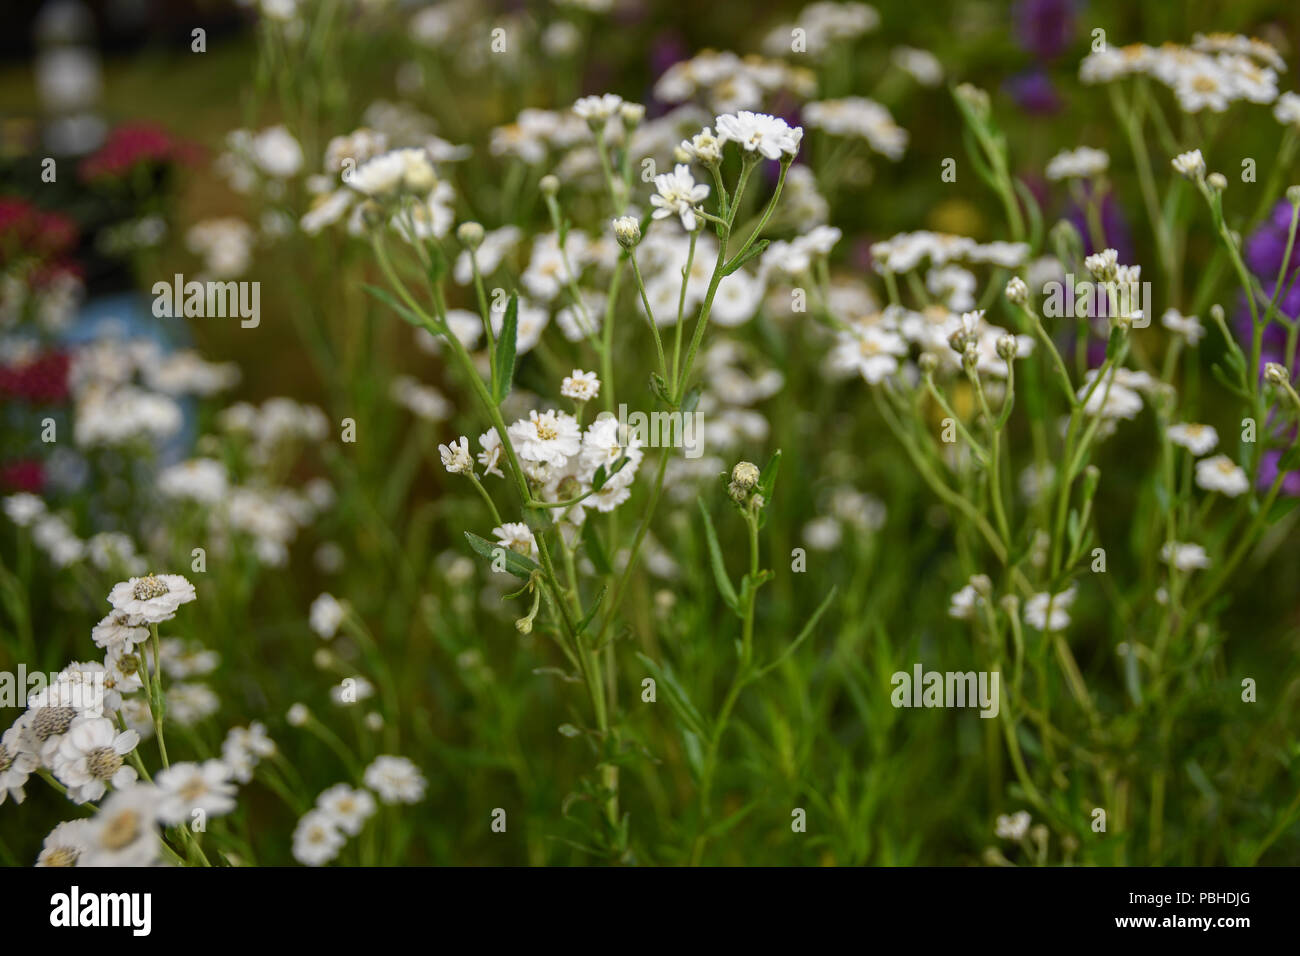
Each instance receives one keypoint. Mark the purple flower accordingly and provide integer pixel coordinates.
(1033, 92)
(1045, 27)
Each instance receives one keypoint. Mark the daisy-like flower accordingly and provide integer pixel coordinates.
(546, 437)
(244, 748)
(677, 195)
(124, 833)
(395, 779)
(16, 764)
(963, 603)
(1287, 109)
(597, 110)
(1013, 826)
(119, 631)
(1082, 163)
(456, 457)
(516, 536)
(703, 147)
(580, 386)
(1184, 557)
(24, 508)
(153, 598)
(1223, 475)
(872, 352)
(395, 172)
(770, 136)
(1198, 439)
(490, 456)
(326, 615)
(348, 808)
(66, 844)
(89, 758)
(186, 787)
(1049, 612)
(1189, 164)
(317, 839)
(1188, 326)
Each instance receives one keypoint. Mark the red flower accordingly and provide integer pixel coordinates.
(25, 475)
(41, 380)
(132, 144)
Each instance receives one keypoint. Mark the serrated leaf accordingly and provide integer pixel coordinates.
(520, 565)
(503, 358)
(725, 587)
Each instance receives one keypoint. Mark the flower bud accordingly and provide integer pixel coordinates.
(470, 234)
(745, 474)
(1276, 374)
(1017, 291)
(1007, 347)
(1217, 181)
(549, 185)
(627, 231)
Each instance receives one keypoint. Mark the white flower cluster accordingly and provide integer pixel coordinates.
(860, 117)
(1214, 72)
(907, 250)
(823, 23)
(725, 82)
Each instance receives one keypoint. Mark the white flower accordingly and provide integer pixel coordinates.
(872, 352)
(187, 704)
(1013, 827)
(348, 808)
(16, 763)
(580, 386)
(244, 748)
(703, 147)
(861, 117)
(66, 844)
(317, 839)
(153, 598)
(276, 152)
(547, 437)
(1223, 475)
(598, 109)
(488, 256)
(1049, 612)
(1287, 109)
(352, 690)
(1198, 439)
(677, 195)
(298, 715)
(823, 533)
(1189, 164)
(490, 456)
(186, 787)
(923, 65)
(395, 779)
(1185, 557)
(200, 479)
(24, 508)
(516, 536)
(119, 631)
(963, 603)
(123, 832)
(1188, 326)
(397, 171)
(456, 457)
(1082, 163)
(326, 615)
(89, 758)
(768, 135)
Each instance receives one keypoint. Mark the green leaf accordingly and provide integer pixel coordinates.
(520, 565)
(725, 587)
(503, 359)
(756, 249)
(384, 296)
(767, 479)
(595, 550)
(1290, 460)
(676, 696)
(692, 399)
(804, 633)
(591, 611)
